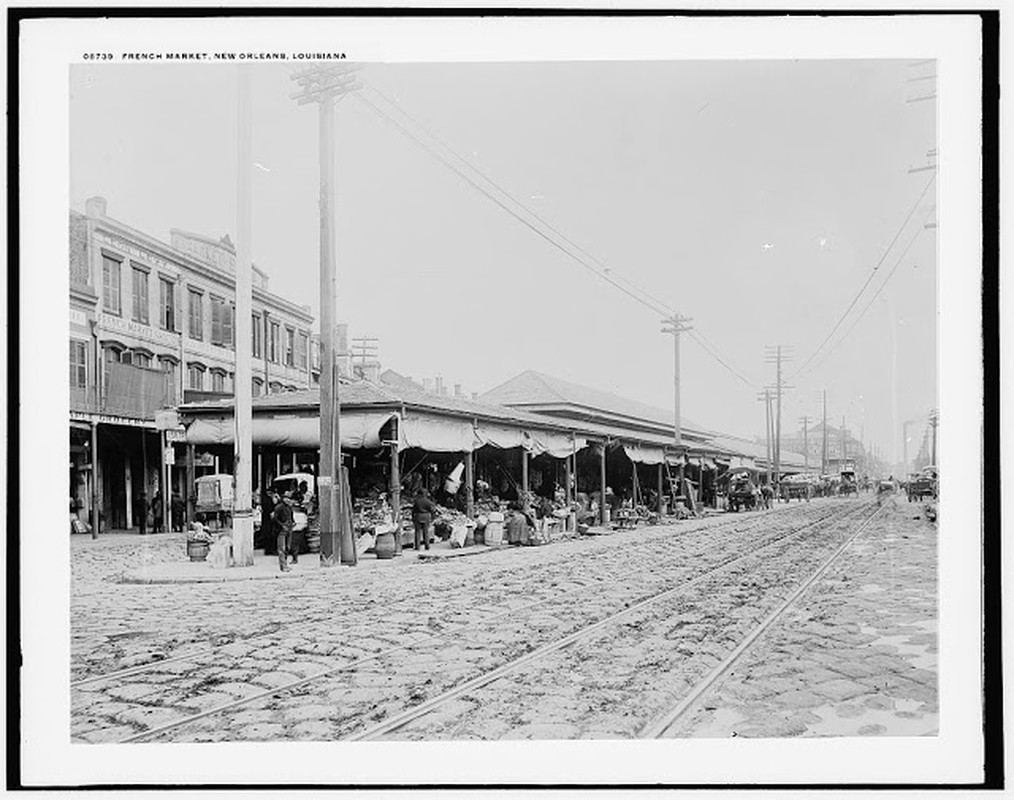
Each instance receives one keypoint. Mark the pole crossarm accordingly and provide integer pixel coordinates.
(321, 82)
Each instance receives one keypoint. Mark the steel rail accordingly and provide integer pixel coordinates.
(410, 715)
(155, 665)
(281, 689)
(660, 726)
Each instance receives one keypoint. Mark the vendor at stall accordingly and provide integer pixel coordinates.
(423, 511)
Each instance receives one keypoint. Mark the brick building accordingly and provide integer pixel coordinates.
(152, 325)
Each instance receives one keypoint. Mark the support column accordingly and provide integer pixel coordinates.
(191, 484)
(295, 466)
(661, 488)
(396, 496)
(602, 484)
(96, 485)
(568, 494)
(262, 467)
(524, 476)
(469, 484)
(144, 476)
(128, 486)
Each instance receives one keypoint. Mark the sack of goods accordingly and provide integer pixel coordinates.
(458, 534)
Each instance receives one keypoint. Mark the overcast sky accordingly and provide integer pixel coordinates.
(675, 175)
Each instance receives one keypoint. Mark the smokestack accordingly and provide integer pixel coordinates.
(457, 390)
(438, 385)
(95, 206)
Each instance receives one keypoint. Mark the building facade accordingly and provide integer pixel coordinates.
(151, 325)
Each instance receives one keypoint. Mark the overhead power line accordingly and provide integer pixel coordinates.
(573, 249)
(876, 294)
(869, 278)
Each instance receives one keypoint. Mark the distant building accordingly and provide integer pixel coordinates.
(842, 447)
(151, 325)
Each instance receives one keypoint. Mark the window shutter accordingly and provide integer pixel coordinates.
(229, 310)
(178, 307)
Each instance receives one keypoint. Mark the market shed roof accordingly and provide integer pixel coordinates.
(537, 391)
(364, 394)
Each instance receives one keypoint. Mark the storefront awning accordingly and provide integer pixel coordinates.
(557, 445)
(438, 435)
(501, 436)
(644, 454)
(358, 430)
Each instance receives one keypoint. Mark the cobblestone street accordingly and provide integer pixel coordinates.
(596, 637)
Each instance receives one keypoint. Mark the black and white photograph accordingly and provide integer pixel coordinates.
(561, 385)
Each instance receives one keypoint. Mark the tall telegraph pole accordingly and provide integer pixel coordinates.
(823, 446)
(325, 84)
(766, 397)
(675, 325)
(805, 421)
(776, 355)
(242, 517)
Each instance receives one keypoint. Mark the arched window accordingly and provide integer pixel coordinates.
(195, 376)
(258, 387)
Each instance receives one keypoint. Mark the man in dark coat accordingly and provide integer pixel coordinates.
(423, 511)
(281, 519)
(141, 512)
(176, 509)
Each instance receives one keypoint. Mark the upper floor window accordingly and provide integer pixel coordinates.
(273, 342)
(258, 386)
(140, 285)
(195, 377)
(110, 284)
(290, 347)
(221, 322)
(195, 314)
(78, 364)
(257, 335)
(218, 381)
(304, 342)
(141, 359)
(275, 387)
(167, 304)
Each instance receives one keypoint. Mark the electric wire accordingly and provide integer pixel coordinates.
(604, 272)
(869, 278)
(876, 294)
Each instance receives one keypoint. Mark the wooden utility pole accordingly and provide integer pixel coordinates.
(242, 517)
(769, 451)
(934, 422)
(675, 325)
(776, 354)
(805, 420)
(324, 84)
(823, 451)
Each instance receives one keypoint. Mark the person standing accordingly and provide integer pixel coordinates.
(156, 511)
(423, 510)
(141, 512)
(176, 507)
(281, 518)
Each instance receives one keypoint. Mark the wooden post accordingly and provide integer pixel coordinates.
(524, 476)
(263, 462)
(128, 485)
(566, 479)
(602, 484)
(661, 486)
(469, 485)
(95, 493)
(191, 479)
(396, 496)
(144, 477)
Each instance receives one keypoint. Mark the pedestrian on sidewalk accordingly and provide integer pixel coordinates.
(281, 518)
(156, 511)
(141, 512)
(423, 511)
(176, 508)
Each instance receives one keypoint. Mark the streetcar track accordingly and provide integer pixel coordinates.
(492, 615)
(658, 728)
(410, 715)
(282, 689)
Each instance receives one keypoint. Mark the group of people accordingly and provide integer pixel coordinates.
(143, 508)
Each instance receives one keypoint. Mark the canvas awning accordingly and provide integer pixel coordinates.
(438, 435)
(502, 436)
(557, 445)
(644, 454)
(358, 430)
